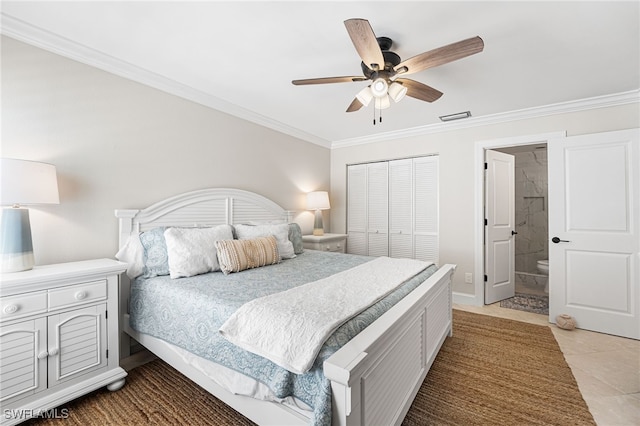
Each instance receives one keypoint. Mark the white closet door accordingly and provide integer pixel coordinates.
(357, 209)
(401, 208)
(426, 208)
(378, 209)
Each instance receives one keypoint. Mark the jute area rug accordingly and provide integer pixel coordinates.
(491, 372)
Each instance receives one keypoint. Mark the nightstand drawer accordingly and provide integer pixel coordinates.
(75, 294)
(22, 304)
(337, 246)
(326, 242)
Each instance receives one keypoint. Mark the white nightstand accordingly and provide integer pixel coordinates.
(326, 242)
(59, 335)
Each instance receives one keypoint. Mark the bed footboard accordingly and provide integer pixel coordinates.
(375, 377)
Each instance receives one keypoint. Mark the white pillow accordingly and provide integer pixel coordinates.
(192, 251)
(280, 231)
(132, 253)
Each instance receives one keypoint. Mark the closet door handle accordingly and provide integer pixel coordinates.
(557, 240)
(513, 232)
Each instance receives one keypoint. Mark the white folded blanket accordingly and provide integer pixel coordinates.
(290, 327)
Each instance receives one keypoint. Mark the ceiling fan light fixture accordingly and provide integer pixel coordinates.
(397, 91)
(365, 96)
(382, 102)
(379, 87)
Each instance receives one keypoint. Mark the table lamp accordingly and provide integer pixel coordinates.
(22, 182)
(318, 200)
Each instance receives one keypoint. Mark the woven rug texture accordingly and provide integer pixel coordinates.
(491, 372)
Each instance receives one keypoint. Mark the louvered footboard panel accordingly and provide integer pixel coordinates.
(438, 322)
(392, 380)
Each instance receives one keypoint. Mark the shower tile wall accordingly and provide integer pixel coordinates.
(531, 209)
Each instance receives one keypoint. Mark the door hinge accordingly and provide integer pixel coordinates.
(486, 222)
(106, 314)
(486, 166)
(486, 278)
(107, 353)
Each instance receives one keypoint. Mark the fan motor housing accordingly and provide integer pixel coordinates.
(391, 59)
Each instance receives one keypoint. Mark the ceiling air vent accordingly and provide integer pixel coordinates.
(456, 116)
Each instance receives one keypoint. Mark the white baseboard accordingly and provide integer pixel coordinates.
(465, 299)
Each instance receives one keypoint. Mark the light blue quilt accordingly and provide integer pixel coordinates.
(188, 312)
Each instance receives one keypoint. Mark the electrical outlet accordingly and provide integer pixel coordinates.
(468, 278)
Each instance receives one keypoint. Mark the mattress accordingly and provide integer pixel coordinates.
(188, 313)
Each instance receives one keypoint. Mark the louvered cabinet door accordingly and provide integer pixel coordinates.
(378, 209)
(23, 360)
(401, 208)
(77, 343)
(357, 209)
(426, 208)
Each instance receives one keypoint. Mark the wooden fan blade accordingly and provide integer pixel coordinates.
(326, 80)
(421, 91)
(355, 105)
(365, 42)
(441, 55)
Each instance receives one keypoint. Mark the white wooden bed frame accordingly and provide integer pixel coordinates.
(374, 378)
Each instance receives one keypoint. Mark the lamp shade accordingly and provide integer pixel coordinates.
(379, 87)
(25, 182)
(365, 96)
(397, 91)
(318, 200)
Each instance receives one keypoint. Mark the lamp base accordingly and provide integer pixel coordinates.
(318, 227)
(16, 248)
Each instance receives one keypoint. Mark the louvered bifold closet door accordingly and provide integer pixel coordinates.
(77, 343)
(23, 360)
(357, 209)
(378, 208)
(426, 208)
(401, 208)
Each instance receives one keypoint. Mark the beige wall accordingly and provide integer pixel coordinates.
(457, 180)
(120, 144)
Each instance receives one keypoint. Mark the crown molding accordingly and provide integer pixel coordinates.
(30, 34)
(632, 96)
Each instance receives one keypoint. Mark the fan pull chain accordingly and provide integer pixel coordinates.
(374, 113)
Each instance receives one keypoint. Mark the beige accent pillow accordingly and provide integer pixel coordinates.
(238, 255)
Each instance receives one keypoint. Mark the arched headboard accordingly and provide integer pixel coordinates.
(206, 207)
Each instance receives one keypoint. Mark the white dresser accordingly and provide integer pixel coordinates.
(326, 242)
(59, 336)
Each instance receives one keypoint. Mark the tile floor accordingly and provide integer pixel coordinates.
(607, 368)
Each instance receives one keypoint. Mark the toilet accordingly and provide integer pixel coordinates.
(543, 266)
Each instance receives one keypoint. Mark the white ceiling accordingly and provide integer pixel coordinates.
(241, 56)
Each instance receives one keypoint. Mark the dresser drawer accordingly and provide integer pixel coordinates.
(76, 294)
(22, 304)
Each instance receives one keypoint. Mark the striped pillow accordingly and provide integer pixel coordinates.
(238, 255)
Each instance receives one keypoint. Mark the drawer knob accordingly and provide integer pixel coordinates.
(81, 295)
(11, 309)
(53, 352)
(43, 355)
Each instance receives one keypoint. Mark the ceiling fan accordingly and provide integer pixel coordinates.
(385, 69)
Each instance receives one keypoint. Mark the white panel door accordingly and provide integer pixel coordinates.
(357, 209)
(594, 216)
(500, 227)
(378, 209)
(401, 208)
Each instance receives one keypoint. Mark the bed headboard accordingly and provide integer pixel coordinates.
(206, 207)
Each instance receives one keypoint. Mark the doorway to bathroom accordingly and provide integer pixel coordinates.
(531, 235)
